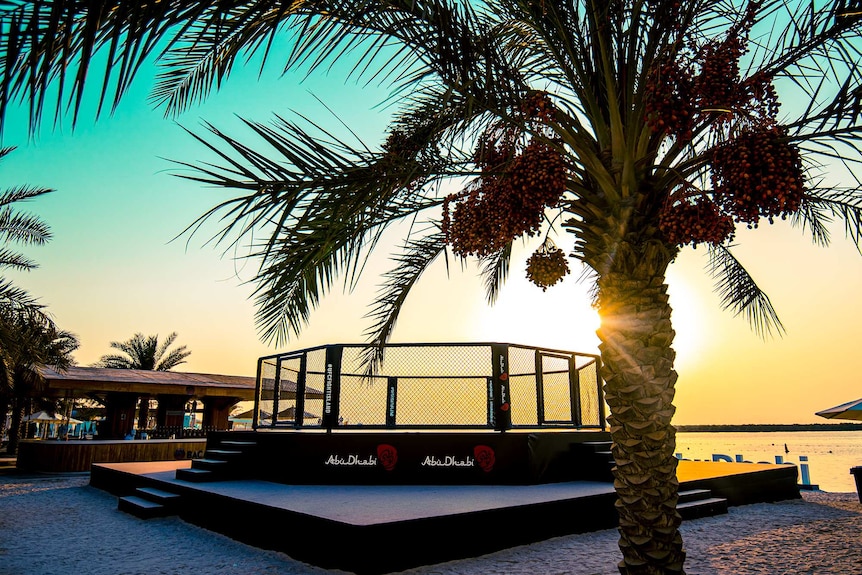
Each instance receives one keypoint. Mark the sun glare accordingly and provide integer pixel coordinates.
(559, 318)
(687, 319)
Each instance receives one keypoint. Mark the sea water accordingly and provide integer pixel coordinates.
(830, 454)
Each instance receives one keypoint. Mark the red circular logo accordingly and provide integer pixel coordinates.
(485, 457)
(388, 456)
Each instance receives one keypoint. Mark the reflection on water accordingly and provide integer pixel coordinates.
(831, 454)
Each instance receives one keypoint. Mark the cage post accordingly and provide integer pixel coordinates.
(391, 401)
(575, 392)
(276, 392)
(540, 389)
(299, 403)
(258, 391)
(502, 397)
(332, 386)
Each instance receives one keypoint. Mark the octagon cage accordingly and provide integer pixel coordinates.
(496, 386)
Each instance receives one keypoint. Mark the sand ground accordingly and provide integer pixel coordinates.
(58, 525)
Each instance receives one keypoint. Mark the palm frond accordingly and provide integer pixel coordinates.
(114, 361)
(22, 228)
(495, 270)
(824, 204)
(202, 55)
(14, 300)
(174, 358)
(416, 257)
(740, 294)
(14, 260)
(321, 202)
(166, 343)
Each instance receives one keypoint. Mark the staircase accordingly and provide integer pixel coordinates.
(149, 502)
(225, 461)
(593, 461)
(696, 503)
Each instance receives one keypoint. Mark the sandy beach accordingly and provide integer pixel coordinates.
(57, 525)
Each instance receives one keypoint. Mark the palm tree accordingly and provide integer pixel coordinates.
(16, 227)
(32, 340)
(642, 126)
(141, 352)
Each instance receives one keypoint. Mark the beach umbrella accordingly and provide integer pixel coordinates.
(850, 410)
(45, 417)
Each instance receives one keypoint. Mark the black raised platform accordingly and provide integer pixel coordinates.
(404, 458)
(334, 500)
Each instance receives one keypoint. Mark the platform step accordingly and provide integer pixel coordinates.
(160, 496)
(593, 460)
(595, 446)
(702, 508)
(223, 454)
(198, 475)
(694, 495)
(210, 464)
(237, 443)
(141, 508)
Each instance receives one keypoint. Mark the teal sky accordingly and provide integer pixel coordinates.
(112, 269)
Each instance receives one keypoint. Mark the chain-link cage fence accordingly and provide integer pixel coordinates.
(475, 385)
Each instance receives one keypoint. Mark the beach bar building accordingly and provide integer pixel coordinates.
(126, 394)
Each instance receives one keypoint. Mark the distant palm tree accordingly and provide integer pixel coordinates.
(145, 353)
(31, 339)
(17, 307)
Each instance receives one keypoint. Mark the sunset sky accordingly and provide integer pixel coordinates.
(112, 268)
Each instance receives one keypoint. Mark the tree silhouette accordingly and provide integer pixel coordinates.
(141, 352)
(641, 126)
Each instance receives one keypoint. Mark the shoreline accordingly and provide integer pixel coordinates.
(58, 523)
(768, 427)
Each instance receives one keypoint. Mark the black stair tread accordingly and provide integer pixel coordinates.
(157, 495)
(238, 443)
(693, 494)
(198, 475)
(701, 502)
(207, 461)
(136, 501)
(194, 471)
(142, 508)
(223, 452)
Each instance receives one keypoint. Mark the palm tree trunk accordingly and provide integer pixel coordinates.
(4, 412)
(636, 337)
(15, 425)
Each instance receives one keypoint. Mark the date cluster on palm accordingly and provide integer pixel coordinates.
(758, 174)
(755, 171)
(696, 222)
(547, 266)
(701, 86)
(518, 182)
